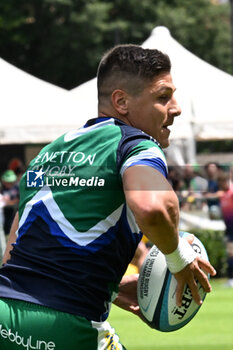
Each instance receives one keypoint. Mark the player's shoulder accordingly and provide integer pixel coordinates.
(133, 141)
(130, 133)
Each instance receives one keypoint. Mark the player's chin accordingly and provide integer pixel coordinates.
(163, 138)
(164, 143)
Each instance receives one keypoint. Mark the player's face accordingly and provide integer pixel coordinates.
(155, 108)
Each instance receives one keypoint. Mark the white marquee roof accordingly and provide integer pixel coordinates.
(34, 111)
(203, 91)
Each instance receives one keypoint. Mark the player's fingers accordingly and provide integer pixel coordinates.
(203, 280)
(134, 308)
(207, 267)
(190, 238)
(179, 293)
(200, 268)
(195, 293)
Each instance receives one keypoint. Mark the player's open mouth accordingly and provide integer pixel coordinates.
(166, 127)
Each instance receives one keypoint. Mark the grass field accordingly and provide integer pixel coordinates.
(210, 329)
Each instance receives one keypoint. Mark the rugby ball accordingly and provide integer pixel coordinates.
(156, 292)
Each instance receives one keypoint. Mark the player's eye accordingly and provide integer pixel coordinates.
(164, 97)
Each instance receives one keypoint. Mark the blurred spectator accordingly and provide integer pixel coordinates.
(10, 198)
(225, 196)
(17, 166)
(187, 175)
(226, 202)
(195, 186)
(213, 170)
(175, 178)
(198, 183)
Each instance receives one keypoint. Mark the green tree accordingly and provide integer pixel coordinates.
(202, 27)
(61, 41)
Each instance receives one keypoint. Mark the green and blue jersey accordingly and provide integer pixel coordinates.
(76, 233)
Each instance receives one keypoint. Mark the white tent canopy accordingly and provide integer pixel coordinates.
(86, 98)
(203, 92)
(32, 110)
(162, 40)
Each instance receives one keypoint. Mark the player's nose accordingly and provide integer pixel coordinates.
(175, 109)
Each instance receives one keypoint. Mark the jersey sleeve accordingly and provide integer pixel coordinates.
(138, 148)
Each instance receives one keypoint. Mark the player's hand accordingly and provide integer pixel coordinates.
(195, 271)
(127, 295)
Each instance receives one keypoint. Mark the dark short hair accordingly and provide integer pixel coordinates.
(129, 67)
(212, 163)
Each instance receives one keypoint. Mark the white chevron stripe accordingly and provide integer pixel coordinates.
(73, 134)
(80, 238)
(131, 220)
(150, 153)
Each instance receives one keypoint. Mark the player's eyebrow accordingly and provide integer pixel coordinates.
(170, 88)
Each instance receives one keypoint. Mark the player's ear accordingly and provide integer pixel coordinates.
(120, 100)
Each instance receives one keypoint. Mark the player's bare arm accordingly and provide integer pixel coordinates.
(156, 209)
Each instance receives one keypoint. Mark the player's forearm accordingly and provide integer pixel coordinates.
(159, 221)
(154, 204)
(156, 210)
(160, 224)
